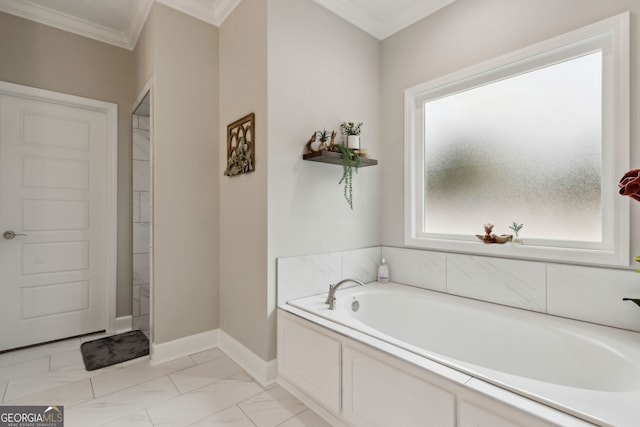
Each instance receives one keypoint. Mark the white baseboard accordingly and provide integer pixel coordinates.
(164, 352)
(123, 324)
(265, 373)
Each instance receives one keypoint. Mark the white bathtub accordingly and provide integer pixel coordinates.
(589, 371)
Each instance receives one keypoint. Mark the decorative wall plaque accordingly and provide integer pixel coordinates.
(241, 146)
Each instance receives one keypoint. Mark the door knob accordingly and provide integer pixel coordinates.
(10, 234)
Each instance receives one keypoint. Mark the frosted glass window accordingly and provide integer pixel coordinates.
(539, 136)
(524, 149)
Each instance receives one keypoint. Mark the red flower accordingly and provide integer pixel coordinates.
(629, 184)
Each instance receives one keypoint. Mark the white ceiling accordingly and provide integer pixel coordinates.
(119, 22)
(382, 18)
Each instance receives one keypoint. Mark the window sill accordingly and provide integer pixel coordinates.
(530, 249)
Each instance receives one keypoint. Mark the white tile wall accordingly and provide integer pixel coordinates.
(510, 282)
(140, 269)
(136, 301)
(312, 274)
(141, 322)
(143, 122)
(594, 295)
(361, 264)
(423, 269)
(145, 206)
(141, 144)
(141, 238)
(141, 175)
(136, 206)
(144, 300)
(141, 221)
(584, 293)
(307, 275)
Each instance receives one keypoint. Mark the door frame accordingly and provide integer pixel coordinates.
(111, 190)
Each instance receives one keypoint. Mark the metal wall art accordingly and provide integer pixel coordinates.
(241, 146)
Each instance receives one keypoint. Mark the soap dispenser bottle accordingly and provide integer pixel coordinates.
(383, 272)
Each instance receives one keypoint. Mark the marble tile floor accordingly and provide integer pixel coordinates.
(203, 389)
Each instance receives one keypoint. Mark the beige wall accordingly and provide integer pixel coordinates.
(180, 53)
(43, 57)
(243, 199)
(465, 33)
(144, 55)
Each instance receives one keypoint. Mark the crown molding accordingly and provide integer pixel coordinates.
(215, 14)
(192, 8)
(63, 21)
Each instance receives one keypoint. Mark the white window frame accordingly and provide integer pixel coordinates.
(611, 36)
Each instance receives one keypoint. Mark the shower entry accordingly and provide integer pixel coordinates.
(142, 209)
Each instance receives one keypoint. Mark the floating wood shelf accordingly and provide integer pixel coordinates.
(335, 158)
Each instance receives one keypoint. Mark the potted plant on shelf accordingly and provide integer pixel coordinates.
(323, 137)
(351, 134)
(350, 159)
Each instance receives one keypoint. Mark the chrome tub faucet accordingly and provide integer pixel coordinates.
(331, 298)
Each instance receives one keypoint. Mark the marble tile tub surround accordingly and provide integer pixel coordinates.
(591, 294)
(302, 276)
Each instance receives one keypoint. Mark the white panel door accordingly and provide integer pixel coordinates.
(53, 182)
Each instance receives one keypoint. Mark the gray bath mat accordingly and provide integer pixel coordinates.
(115, 349)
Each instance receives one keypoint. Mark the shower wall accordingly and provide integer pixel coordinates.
(141, 221)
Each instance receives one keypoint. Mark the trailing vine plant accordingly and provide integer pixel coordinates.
(350, 159)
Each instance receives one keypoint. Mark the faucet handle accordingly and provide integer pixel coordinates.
(332, 303)
(328, 301)
(636, 300)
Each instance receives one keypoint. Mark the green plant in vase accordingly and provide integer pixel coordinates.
(350, 160)
(351, 134)
(516, 229)
(323, 137)
(350, 128)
